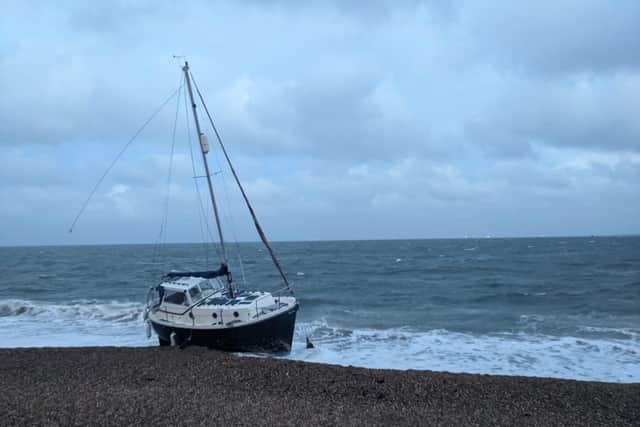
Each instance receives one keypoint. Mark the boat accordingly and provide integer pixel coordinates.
(205, 308)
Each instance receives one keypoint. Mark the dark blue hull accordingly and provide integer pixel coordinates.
(270, 335)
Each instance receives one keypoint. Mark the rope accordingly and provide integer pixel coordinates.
(106, 172)
(244, 195)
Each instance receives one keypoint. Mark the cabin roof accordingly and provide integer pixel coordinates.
(182, 283)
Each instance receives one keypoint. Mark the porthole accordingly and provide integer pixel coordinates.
(215, 315)
(235, 314)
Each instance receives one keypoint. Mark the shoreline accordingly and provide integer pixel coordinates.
(151, 385)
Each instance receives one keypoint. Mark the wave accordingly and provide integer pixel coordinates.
(110, 311)
(624, 333)
(515, 296)
(616, 360)
(79, 323)
(599, 353)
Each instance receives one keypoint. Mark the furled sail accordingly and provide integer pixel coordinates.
(210, 274)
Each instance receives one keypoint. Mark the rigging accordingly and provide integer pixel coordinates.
(263, 237)
(115, 160)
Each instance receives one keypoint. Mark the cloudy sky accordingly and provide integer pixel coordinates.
(346, 120)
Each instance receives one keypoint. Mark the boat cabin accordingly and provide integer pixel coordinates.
(186, 291)
(190, 299)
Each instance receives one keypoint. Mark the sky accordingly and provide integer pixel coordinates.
(344, 119)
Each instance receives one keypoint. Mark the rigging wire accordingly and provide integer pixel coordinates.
(228, 216)
(244, 195)
(162, 235)
(203, 237)
(106, 172)
(202, 217)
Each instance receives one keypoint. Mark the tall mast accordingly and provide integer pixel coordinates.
(204, 148)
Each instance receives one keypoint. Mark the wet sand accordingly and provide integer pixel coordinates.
(196, 386)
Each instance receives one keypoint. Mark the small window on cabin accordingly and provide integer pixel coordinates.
(210, 285)
(195, 293)
(174, 297)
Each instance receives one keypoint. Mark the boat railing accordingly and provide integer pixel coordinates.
(282, 291)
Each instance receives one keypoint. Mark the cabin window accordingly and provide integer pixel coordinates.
(206, 285)
(210, 285)
(195, 293)
(175, 297)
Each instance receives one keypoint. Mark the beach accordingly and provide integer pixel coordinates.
(197, 386)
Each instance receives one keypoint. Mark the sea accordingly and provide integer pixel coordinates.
(546, 307)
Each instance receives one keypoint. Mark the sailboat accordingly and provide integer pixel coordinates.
(205, 308)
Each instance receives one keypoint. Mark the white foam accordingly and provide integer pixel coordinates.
(77, 309)
(78, 323)
(113, 323)
(626, 332)
(615, 360)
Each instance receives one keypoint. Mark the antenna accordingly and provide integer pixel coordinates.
(179, 58)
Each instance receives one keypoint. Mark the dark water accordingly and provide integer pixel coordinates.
(562, 307)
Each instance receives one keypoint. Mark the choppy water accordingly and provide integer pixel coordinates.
(558, 307)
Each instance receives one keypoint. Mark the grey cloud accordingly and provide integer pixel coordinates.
(75, 100)
(372, 12)
(598, 114)
(529, 175)
(563, 37)
(344, 118)
(497, 139)
(369, 120)
(113, 16)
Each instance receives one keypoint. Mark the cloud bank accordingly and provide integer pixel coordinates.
(347, 120)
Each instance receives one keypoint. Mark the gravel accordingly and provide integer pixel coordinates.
(196, 386)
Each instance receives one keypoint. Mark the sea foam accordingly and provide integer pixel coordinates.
(615, 360)
(114, 323)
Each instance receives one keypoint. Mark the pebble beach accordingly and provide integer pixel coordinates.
(197, 386)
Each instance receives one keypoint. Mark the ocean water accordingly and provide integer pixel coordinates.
(553, 307)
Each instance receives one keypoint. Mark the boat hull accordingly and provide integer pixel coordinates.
(274, 334)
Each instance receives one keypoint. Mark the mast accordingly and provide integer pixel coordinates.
(204, 148)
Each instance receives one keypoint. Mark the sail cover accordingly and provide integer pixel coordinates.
(210, 274)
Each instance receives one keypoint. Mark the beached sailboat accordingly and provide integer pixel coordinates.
(204, 307)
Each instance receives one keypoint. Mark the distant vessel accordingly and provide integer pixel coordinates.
(204, 307)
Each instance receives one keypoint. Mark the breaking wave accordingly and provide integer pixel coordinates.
(614, 355)
(113, 311)
(615, 360)
(28, 323)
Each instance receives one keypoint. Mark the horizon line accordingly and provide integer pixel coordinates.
(485, 237)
